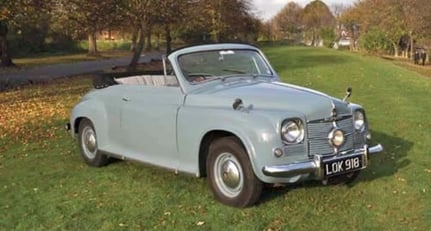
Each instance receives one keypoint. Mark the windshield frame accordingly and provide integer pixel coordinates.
(188, 87)
(203, 60)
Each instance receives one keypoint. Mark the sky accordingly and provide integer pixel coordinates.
(266, 9)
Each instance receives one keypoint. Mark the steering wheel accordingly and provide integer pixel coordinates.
(198, 76)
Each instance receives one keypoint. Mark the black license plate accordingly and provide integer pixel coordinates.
(343, 165)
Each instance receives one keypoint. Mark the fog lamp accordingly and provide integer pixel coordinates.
(336, 137)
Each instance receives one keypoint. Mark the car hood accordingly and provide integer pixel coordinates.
(264, 95)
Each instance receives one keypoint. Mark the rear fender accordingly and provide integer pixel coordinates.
(94, 111)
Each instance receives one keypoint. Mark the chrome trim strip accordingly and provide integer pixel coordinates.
(326, 138)
(290, 170)
(375, 149)
(330, 119)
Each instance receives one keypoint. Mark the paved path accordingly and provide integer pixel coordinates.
(16, 77)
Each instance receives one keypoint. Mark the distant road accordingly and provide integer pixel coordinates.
(16, 77)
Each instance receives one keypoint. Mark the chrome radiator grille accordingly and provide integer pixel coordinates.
(318, 132)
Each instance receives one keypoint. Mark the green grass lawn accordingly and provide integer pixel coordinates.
(44, 184)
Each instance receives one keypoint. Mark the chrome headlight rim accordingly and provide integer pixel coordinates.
(359, 121)
(292, 131)
(337, 137)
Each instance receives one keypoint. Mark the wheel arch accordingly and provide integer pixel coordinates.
(95, 112)
(206, 141)
(77, 122)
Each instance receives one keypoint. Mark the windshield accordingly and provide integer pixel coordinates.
(220, 64)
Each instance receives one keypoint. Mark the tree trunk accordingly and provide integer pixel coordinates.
(6, 61)
(168, 38)
(411, 43)
(148, 37)
(138, 50)
(157, 43)
(395, 46)
(92, 44)
(313, 38)
(135, 35)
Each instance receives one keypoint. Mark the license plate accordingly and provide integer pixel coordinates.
(343, 165)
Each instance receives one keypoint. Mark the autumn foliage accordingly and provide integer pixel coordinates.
(37, 113)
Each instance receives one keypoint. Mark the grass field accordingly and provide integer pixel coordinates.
(44, 185)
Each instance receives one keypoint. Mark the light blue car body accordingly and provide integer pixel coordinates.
(171, 126)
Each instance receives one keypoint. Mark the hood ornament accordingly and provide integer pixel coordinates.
(348, 94)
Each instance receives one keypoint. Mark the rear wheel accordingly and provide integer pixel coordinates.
(88, 145)
(230, 174)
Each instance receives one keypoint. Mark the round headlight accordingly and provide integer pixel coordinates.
(292, 131)
(336, 137)
(359, 120)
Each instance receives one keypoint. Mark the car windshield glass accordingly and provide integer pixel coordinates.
(204, 66)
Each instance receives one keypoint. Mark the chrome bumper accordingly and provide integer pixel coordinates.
(314, 166)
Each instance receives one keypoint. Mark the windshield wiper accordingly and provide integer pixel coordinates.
(240, 75)
(252, 75)
(235, 71)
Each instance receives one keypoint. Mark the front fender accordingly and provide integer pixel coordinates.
(259, 131)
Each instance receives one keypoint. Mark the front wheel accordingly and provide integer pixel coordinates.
(88, 145)
(230, 174)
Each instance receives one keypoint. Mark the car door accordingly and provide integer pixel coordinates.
(148, 123)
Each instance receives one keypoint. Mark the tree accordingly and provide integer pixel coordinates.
(270, 31)
(171, 13)
(21, 14)
(90, 16)
(219, 20)
(141, 14)
(5, 57)
(351, 19)
(288, 21)
(6, 14)
(317, 17)
(398, 22)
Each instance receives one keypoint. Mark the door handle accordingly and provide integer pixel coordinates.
(126, 99)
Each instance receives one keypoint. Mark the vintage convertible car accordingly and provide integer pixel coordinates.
(220, 111)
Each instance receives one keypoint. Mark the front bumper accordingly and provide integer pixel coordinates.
(315, 166)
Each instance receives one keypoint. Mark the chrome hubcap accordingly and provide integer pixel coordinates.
(228, 174)
(89, 142)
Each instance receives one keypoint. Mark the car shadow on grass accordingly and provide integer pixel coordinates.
(384, 164)
(390, 161)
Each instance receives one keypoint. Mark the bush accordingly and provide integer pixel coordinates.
(374, 41)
